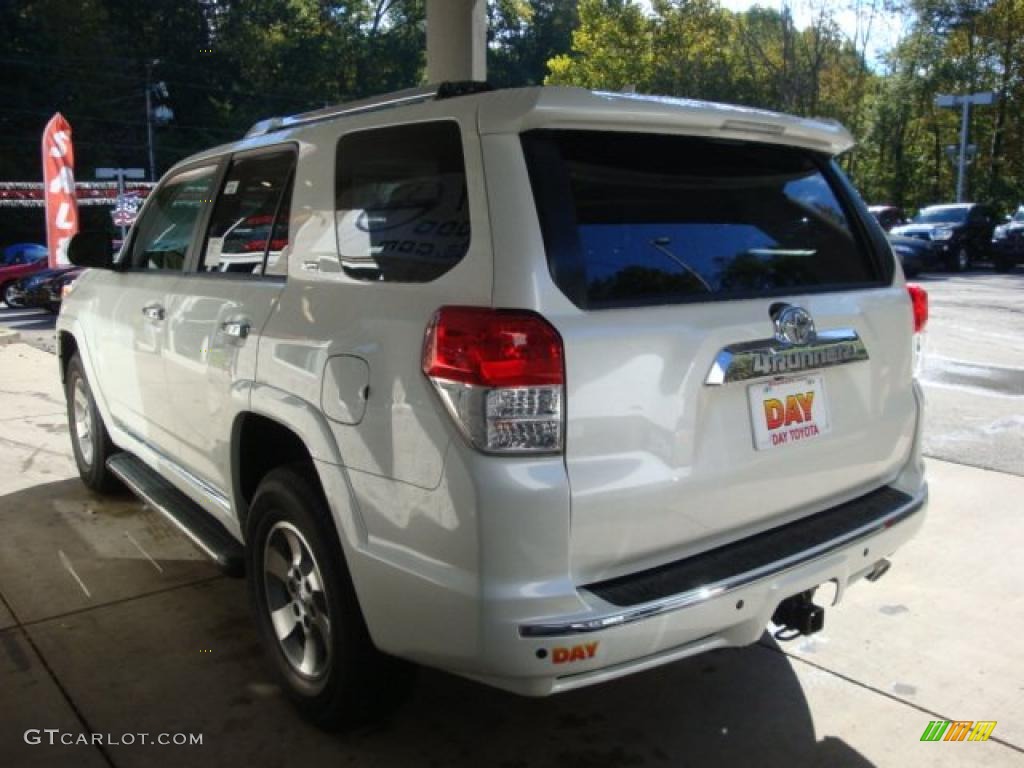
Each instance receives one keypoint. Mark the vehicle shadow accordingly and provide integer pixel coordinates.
(184, 658)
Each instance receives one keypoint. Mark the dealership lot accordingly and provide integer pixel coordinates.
(112, 623)
(974, 369)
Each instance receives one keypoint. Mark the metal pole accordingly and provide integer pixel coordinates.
(456, 40)
(962, 168)
(149, 127)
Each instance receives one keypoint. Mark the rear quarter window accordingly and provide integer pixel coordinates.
(634, 219)
(401, 212)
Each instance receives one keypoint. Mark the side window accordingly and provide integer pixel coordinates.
(249, 225)
(401, 208)
(164, 233)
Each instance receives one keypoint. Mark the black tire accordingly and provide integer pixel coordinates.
(91, 444)
(960, 260)
(3, 294)
(357, 684)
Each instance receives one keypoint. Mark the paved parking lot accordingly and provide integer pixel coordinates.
(33, 326)
(974, 369)
(111, 623)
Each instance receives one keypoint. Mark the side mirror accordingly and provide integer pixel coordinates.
(91, 249)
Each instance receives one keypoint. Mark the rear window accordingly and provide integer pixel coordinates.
(651, 219)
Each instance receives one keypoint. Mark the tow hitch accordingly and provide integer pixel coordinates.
(798, 615)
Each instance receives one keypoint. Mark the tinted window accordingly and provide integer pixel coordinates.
(163, 235)
(249, 223)
(941, 216)
(632, 219)
(402, 213)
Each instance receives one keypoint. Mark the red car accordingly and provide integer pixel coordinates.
(21, 265)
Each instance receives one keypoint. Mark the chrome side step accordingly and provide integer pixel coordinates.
(199, 525)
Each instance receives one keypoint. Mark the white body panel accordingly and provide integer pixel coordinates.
(204, 365)
(129, 349)
(452, 551)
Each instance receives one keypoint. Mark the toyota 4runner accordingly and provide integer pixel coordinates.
(541, 387)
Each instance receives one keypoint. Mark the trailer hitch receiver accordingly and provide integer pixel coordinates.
(798, 615)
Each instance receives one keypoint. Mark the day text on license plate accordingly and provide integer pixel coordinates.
(789, 411)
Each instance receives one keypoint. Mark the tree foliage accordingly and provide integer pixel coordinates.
(228, 63)
(760, 57)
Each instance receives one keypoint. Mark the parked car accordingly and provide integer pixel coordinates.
(26, 251)
(1008, 242)
(888, 216)
(539, 405)
(962, 231)
(917, 255)
(22, 264)
(45, 288)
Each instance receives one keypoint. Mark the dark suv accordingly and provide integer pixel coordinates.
(1008, 242)
(962, 231)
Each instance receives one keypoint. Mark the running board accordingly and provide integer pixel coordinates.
(199, 525)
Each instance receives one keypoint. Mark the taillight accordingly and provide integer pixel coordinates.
(500, 374)
(919, 303)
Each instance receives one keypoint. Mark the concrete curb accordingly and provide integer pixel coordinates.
(8, 336)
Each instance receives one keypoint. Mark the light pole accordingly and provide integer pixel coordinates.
(149, 123)
(964, 101)
(161, 114)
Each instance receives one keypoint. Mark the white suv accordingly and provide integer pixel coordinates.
(541, 387)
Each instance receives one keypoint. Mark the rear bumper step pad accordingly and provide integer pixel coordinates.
(838, 525)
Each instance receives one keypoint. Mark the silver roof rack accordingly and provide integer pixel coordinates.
(372, 104)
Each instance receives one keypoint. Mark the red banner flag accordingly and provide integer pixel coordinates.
(59, 188)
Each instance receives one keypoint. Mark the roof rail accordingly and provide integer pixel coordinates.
(444, 90)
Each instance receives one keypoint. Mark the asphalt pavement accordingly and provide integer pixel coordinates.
(973, 371)
(32, 326)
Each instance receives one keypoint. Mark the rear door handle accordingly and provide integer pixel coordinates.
(153, 312)
(236, 329)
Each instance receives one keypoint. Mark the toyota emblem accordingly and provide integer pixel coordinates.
(794, 325)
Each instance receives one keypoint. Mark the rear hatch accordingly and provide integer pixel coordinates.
(701, 406)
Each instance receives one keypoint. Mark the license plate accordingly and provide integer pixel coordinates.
(789, 411)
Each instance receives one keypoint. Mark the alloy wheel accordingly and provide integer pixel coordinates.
(83, 422)
(296, 601)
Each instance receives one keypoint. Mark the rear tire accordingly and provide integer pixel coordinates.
(307, 611)
(90, 441)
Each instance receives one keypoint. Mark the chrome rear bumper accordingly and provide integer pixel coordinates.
(716, 573)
